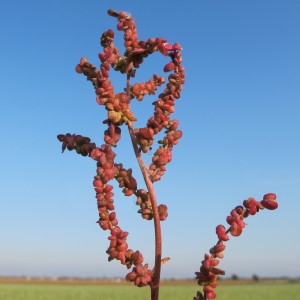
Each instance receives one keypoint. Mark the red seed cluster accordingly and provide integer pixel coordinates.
(126, 181)
(118, 249)
(76, 142)
(162, 211)
(112, 135)
(269, 201)
(207, 276)
(140, 275)
(127, 24)
(118, 245)
(118, 105)
(143, 200)
(119, 113)
(139, 90)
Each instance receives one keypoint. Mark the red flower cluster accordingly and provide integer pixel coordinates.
(76, 142)
(117, 105)
(207, 276)
(143, 200)
(119, 113)
(127, 24)
(140, 275)
(112, 135)
(118, 249)
(269, 201)
(139, 90)
(105, 202)
(162, 211)
(118, 244)
(126, 181)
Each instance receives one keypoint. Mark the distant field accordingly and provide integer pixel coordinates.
(46, 291)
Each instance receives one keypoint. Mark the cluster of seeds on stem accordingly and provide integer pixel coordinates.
(75, 142)
(119, 113)
(107, 170)
(207, 276)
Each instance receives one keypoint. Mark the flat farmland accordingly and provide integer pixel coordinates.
(170, 290)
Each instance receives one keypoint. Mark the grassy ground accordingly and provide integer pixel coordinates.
(41, 291)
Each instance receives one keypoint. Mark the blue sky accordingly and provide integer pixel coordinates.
(239, 113)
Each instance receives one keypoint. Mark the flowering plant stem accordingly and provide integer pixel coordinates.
(119, 113)
(157, 228)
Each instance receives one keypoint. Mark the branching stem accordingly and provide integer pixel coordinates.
(157, 228)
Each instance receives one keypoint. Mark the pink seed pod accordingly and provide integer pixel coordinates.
(169, 67)
(137, 258)
(122, 247)
(221, 232)
(269, 201)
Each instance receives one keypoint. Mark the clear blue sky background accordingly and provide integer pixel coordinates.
(239, 113)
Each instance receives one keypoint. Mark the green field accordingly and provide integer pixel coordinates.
(30, 291)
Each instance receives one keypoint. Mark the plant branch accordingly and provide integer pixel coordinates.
(157, 228)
